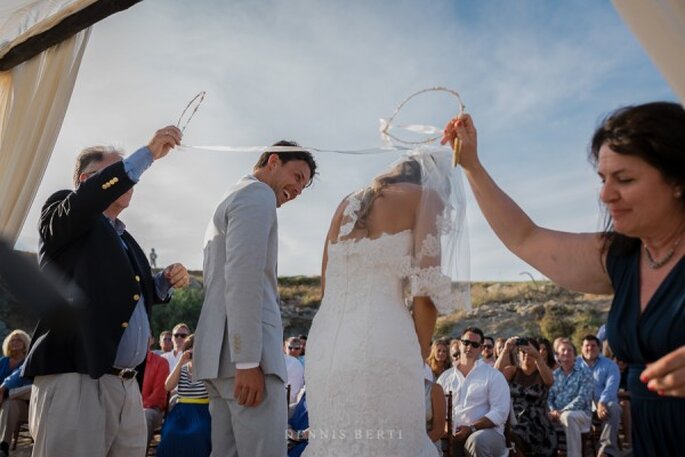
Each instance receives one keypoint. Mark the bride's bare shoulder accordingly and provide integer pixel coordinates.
(408, 192)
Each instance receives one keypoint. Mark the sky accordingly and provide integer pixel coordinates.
(537, 77)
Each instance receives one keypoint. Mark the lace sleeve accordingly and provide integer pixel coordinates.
(349, 218)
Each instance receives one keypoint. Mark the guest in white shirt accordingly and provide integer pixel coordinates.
(481, 400)
(292, 349)
(180, 334)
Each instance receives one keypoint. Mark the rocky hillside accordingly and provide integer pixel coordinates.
(499, 308)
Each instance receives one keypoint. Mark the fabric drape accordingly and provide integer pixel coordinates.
(33, 101)
(660, 27)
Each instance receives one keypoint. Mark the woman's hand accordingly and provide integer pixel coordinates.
(667, 375)
(510, 344)
(462, 127)
(186, 356)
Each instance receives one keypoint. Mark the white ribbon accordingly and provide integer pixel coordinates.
(389, 142)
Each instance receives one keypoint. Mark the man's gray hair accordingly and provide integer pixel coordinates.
(91, 155)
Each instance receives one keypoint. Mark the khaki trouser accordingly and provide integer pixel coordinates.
(73, 415)
(575, 423)
(12, 411)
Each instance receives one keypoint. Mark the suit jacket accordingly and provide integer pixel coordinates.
(240, 319)
(79, 242)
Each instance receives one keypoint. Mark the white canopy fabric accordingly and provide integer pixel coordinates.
(22, 19)
(33, 101)
(660, 27)
(34, 96)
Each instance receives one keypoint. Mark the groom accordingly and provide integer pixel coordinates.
(239, 333)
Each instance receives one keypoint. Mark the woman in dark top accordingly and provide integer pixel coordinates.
(529, 382)
(639, 153)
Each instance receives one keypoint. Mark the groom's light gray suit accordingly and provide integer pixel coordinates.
(240, 322)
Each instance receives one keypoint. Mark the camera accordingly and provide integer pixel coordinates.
(521, 341)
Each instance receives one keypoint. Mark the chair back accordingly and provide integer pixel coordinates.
(447, 452)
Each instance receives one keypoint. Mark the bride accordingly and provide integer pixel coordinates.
(394, 257)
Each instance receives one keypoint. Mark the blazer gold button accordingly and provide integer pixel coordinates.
(136, 297)
(137, 278)
(105, 186)
(124, 324)
(115, 180)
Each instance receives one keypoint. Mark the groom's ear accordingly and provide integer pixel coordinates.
(273, 160)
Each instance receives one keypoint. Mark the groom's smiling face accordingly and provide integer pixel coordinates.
(288, 179)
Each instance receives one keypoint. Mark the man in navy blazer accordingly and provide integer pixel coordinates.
(85, 358)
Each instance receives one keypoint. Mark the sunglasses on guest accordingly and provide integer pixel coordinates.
(487, 346)
(180, 335)
(294, 347)
(473, 344)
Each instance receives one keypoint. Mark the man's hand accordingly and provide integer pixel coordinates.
(249, 386)
(164, 141)
(602, 411)
(461, 434)
(177, 275)
(553, 415)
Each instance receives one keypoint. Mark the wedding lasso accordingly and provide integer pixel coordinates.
(390, 141)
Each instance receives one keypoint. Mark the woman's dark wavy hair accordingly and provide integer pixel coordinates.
(654, 132)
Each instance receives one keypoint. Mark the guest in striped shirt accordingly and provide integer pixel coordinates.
(187, 429)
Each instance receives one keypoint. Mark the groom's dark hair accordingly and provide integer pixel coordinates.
(287, 156)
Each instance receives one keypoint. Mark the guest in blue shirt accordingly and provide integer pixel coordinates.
(607, 377)
(570, 397)
(12, 410)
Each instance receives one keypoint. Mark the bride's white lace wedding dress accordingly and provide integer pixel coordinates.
(364, 371)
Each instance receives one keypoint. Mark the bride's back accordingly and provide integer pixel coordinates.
(391, 210)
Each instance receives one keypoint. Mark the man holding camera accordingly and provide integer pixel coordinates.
(480, 402)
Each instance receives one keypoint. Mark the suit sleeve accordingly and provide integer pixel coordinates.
(249, 221)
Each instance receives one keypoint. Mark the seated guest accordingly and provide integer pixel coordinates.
(623, 394)
(154, 394)
(438, 360)
(292, 349)
(179, 334)
(499, 346)
(547, 353)
(529, 382)
(12, 410)
(166, 343)
(570, 397)
(303, 342)
(488, 356)
(480, 400)
(607, 378)
(187, 428)
(298, 427)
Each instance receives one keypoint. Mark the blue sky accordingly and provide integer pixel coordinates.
(537, 76)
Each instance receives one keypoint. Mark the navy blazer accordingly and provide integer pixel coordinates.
(80, 243)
